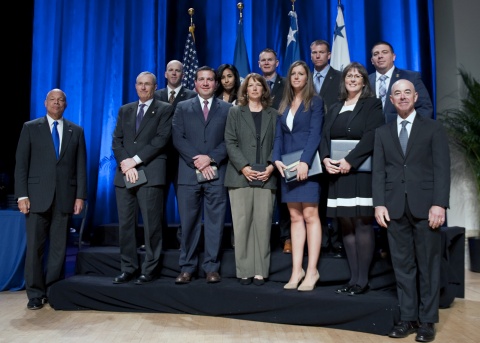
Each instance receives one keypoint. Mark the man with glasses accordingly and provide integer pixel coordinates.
(387, 74)
(139, 143)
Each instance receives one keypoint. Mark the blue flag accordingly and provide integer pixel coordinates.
(190, 62)
(240, 58)
(292, 52)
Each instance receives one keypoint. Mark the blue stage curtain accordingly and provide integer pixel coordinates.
(94, 49)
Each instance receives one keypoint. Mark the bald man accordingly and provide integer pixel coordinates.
(411, 189)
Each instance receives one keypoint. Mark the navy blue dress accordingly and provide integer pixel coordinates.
(306, 135)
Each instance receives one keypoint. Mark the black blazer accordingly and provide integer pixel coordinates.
(423, 104)
(423, 172)
(149, 143)
(277, 92)
(330, 88)
(43, 178)
(365, 118)
(183, 94)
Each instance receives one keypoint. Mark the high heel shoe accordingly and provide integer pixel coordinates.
(305, 288)
(294, 285)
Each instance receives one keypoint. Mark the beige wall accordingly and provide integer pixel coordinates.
(457, 39)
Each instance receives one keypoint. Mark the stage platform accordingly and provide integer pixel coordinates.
(375, 312)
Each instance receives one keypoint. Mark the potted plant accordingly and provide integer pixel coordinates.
(463, 126)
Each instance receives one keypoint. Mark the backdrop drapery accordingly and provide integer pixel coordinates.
(94, 49)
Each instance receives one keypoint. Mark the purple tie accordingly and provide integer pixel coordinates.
(140, 116)
(205, 109)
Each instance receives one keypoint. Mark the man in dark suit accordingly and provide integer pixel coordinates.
(383, 58)
(325, 78)
(327, 84)
(139, 143)
(50, 185)
(198, 135)
(268, 63)
(173, 93)
(411, 189)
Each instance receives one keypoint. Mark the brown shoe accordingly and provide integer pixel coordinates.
(213, 277)
(183, 278)
(287, 247)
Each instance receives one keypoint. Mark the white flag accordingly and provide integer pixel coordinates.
(340, 56)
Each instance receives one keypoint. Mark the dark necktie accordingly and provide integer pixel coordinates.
(140, 116)
(172, 97)
(403, 136)
(270, 84)
(382, 89)
(56, 138)
(205, 109)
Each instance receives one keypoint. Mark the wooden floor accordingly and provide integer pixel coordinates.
(459, 323)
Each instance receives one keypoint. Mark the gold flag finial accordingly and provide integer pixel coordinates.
(293, 5)
(191, 29)
(240, 7)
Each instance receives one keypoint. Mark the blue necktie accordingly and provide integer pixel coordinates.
(140, 116)
(56, 138)
(270, 84)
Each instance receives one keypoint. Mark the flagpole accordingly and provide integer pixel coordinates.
(191, 28)
(293, 4)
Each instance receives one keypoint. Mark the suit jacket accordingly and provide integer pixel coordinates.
(43, 178)
(183, 94)
(241, 142)
(423, 104)
(365, 118)
(330, 88)
(277, 92)
(149, 143)
(306, 132)
(192, 136)
(423, 172)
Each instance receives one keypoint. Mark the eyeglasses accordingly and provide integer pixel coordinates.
(351, 76)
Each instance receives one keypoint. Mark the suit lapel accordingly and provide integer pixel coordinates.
(248, 118)
(66, 137)
(356, 110)
(395, 139)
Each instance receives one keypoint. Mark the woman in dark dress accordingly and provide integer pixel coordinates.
(354, 117)
(299, 128)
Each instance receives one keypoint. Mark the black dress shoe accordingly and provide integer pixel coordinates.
(245, 281)
(402, 329)
(213, 277)
(426, 332)
(343, 289)
(142, 279)
(183, 278)
(357, 289)
(123, 278)
(258, 282)
(35, 303)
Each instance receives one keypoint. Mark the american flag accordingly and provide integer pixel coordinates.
(190, 62)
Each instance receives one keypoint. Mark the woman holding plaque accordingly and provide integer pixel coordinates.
(299, 129)
(249, 135)
(354, 118)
